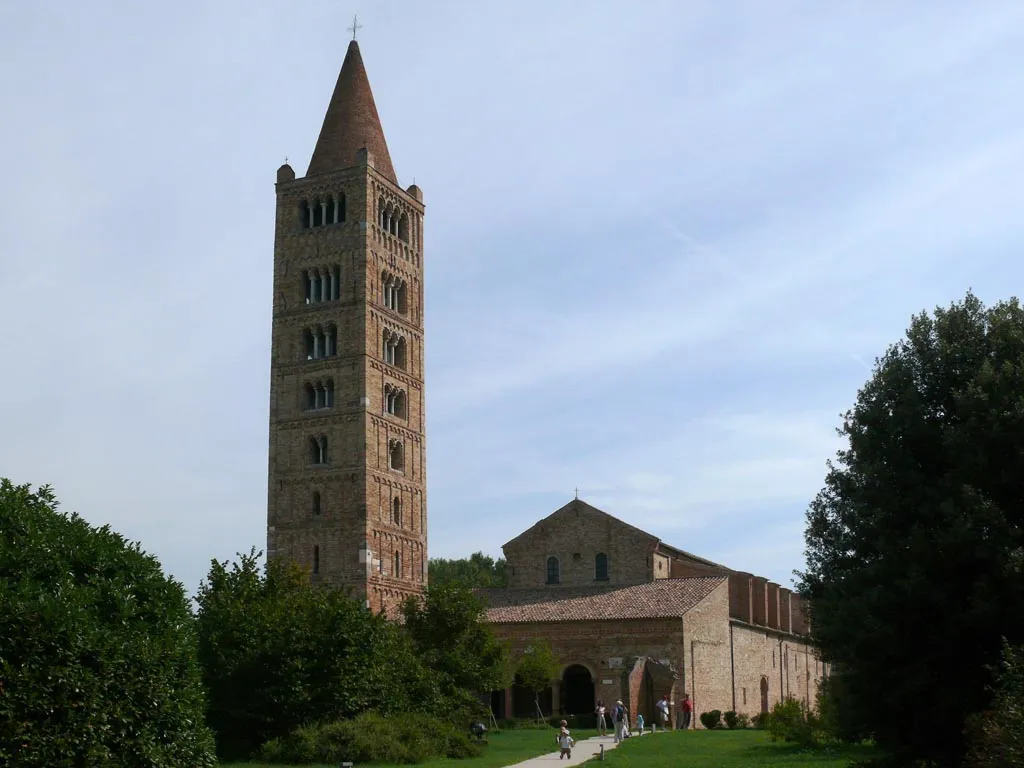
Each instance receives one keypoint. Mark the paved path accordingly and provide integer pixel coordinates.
(583, 751)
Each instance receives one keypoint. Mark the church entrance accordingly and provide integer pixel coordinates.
(577, 691)
(764, 694)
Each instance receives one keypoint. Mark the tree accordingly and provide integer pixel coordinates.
(97, 646)
(451, 635)
(537, 668)
(478, 570)
(914, 545)
(997, 735)
(279, 652)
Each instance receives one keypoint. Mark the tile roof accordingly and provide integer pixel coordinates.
(663, 598)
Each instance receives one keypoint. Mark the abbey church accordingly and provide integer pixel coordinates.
(627, 615)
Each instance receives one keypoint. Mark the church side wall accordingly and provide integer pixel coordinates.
(707, 668)
(784, 664)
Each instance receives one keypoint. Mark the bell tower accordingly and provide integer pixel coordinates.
(347, 462)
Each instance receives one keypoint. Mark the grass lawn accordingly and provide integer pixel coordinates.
(504, 748)
(727, 749)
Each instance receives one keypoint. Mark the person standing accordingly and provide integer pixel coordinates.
(619, 721)
(662, 707)
(602, 721)
(687, 710)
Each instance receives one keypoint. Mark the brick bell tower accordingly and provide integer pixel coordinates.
(347, 470)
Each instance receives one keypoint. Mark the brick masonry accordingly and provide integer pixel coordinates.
(741, 647)
(369, 530)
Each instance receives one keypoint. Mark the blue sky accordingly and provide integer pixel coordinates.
(664, 243)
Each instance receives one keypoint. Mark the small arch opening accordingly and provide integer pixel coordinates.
(329, 210)
(398, 565)
(318, 450)
(316, 558)
(402, 229)
(316, 503)
(304, 215)
(318, 214)
(601, 567)
(396, 511)
(396, 455)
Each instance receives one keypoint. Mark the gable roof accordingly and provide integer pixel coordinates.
(579, 504)
(661, 599)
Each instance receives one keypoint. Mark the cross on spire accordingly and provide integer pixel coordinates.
(356, 26)
(577, 493)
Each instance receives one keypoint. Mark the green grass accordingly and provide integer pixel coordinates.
(727, 749)
(504, 748)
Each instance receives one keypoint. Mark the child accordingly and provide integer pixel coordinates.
(640, 724)
(565, 741)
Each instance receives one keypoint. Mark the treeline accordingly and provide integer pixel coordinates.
(103, 660)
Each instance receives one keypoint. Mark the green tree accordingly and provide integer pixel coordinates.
(914, 543)
(450, 632)
(997, 735)
(278, 653)
(97, 646)
(478, 570)
(537, 668)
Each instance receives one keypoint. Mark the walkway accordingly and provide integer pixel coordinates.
(583, 751)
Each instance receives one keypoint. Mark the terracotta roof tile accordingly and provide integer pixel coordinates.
(663, 598)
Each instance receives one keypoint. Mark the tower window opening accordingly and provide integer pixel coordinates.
(318, 450)
(320, 342)
(316, 559)
(316, 503)
(305, 219)
(318, 213)
(396, 455)
(319, 395)
(396, 511)
(398, 565)
(329, 211)
(394, 401)
(601, 567)
(402, 228)
(394, 349)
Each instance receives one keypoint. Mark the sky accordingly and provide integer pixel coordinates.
(664, 244)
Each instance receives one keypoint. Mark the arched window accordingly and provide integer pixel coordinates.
(394, 349)
(329, 210)
(316, 503)
(398, 565)
(310, 397)
(553, 570)
(403, 228)
(318, 450)
(601, 567)
(318, 213)
(316, 559)
(396, 455)
(304, 217)
(396, 511)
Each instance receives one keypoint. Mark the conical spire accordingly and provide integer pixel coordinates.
(351, 123)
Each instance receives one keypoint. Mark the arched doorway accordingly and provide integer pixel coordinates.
(577, 690)
(764, 694)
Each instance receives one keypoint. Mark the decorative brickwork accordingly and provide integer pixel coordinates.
(347, 469)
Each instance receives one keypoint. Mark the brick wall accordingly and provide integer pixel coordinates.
(779, 662)
(708, 674)
(773, 605)
(741, 596)
(575, 534)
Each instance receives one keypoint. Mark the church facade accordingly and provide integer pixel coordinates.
(347, 455)
(629, 617)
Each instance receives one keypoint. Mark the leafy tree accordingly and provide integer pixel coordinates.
(278, 653)
(97, 646)
(537, 668)
(997, 735)
(450, 632)
(478, 570)
(914, 545)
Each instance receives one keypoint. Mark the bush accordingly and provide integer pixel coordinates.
(97, 647)
(790, 720)
(760, 720)
(996, 736)
(742, 721)
(731, 719)
(401, 739)
(279, 653)
(712, 719)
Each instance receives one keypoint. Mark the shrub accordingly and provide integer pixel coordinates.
(731, 719)
(996, 736)
(97, 647)
(400, 739)
(742, 721)
(278, 653)
(586, 720)
(790, 720)
(760, 720)
(712, 719)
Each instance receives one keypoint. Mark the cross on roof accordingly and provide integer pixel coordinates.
(356, 26)
(577, 493)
